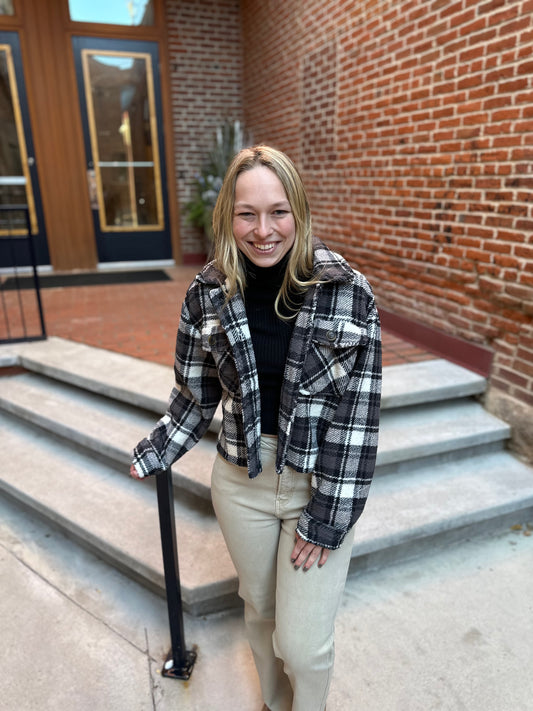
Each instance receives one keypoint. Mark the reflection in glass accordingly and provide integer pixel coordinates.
(15, 185)
(6, 7)
(122, 125)
(113, 12)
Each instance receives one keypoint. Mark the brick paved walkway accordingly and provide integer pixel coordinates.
(141, 319)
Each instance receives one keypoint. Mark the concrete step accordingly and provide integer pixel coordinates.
(102, 425)
(408, 515)
(71, 423)
(428, 381)
(448, 427)
(111, 428)
(130, 380)
(115, 517)
(148, 385)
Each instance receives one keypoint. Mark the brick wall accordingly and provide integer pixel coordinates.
(205, 62)
(412, 122)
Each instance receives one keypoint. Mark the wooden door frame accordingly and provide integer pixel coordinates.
(57, 128)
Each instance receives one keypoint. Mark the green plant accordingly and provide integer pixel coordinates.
(227, 142)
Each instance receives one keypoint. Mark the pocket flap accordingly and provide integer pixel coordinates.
(339, 334)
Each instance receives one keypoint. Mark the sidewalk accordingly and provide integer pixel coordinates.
(451, 631)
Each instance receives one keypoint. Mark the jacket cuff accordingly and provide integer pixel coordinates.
(318, 533)
(146, 460)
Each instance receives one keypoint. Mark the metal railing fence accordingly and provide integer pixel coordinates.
(21, 309)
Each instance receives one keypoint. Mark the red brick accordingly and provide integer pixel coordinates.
(411, 135)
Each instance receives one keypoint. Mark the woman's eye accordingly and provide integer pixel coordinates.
(281, 213)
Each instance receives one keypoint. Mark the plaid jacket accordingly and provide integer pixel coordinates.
(329, 412)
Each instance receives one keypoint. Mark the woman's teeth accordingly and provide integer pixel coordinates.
(264, 247)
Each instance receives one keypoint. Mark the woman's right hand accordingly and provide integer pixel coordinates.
(134, 473)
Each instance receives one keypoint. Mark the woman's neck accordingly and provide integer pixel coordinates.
(265, 276)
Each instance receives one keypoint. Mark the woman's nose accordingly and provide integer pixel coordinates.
(263, 227)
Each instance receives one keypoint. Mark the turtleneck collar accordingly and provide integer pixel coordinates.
(266, 275)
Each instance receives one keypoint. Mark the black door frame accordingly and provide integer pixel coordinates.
(134, 245)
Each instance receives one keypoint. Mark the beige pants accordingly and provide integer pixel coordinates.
(289, 614)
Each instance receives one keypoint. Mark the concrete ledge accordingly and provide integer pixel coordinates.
(428, 381)
(148, 385)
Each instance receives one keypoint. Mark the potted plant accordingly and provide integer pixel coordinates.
(228, 141)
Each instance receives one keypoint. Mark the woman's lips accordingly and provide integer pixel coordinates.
(264, 247)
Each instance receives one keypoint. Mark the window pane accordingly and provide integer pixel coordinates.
(129, 197)
(112, 12)
(6, 7)
(15, 186)
(122, 124)
(10, 162)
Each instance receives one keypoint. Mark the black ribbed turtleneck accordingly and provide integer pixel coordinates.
(270, 335)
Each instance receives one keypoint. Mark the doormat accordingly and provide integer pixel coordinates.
(51, 281)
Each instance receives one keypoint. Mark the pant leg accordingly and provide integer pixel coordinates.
(245, 510)
(289, 614)
(306, 607)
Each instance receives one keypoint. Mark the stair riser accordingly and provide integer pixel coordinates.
(417, 548)
(115, 456)
(156, 405)
(214, 598)
(407, 392)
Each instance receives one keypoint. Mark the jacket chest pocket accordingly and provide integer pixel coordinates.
(215, 341)
(331, 358)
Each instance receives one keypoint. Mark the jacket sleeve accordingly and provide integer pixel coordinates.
(346, 459)
(192, 403)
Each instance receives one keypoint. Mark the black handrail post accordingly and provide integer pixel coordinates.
(180, 662)
(35, 273)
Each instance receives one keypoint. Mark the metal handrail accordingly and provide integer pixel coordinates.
(180, 661)
(28, 237)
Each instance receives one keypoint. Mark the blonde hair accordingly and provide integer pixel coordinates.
(227, 256)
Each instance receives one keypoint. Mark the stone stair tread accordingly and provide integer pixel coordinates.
(425, 430)
(116, 516)
(148, 385)
(127, 379)
(402, 508)
(106, 426)
(427, 381)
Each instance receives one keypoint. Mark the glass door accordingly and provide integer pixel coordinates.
(18, 173)
(121, 112)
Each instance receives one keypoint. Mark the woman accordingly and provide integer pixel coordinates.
(286, 335)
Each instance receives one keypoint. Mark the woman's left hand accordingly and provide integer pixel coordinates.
(306, 554)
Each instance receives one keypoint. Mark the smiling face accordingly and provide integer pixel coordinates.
(263, 224)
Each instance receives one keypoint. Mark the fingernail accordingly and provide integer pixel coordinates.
(292, 560)
(296, 567)
(305, 570)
